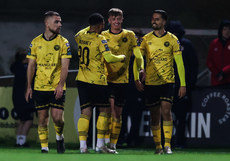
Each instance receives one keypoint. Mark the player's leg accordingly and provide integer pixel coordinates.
(166, 105)
(108, 132)
(43, 118)
(156, 127)
(102, 128)
(58, 120)
(86, 112)
(83, 128)
(42, 106)
(167, 125)
(57, 113)
(116, 126)
(103, 121)
(120, 96)
(152, 102)
(27, 122)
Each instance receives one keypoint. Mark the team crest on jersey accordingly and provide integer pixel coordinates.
(166, 44)
(124, 39)
(56, 47)
(103, 41)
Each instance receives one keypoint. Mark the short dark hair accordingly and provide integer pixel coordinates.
(20, 55)
(50, 14)
(163, 14)
(95, 18)
(115, 12)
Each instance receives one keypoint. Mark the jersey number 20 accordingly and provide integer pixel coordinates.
(83, 55)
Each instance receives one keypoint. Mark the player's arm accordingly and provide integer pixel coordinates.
(181, 72)
(136, 72)
(64, 72)
(30, 75)
(138, 57)
(110, 58)
(107, 54)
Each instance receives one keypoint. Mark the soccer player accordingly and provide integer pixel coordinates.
(50, 52)
(93, 51)
(120, 41)
(160, 48)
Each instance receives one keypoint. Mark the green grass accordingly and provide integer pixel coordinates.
(33, 154)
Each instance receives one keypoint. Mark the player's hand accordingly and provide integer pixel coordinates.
(58, 92)
(28, 94)
(182, 91)
(139, 85)
(142, 75)
(124, 57)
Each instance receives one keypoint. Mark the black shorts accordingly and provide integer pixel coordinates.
(92, 95)
(24, 114)
(46, 99)
(118, 91)
(154, 94)
(25, 111)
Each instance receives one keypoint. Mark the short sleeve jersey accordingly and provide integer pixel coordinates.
(120, 44)
(91, 48)
(159, 53)
(48, 55)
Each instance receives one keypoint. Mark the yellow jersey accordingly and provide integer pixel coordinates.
(120, 44)
(159, 53)
(91, 48)
(48, 55)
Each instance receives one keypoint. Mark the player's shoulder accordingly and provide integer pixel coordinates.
(172, 36)
(148, 35)
(126, 31)
(38, 38)
(105, 32)
(62, 38)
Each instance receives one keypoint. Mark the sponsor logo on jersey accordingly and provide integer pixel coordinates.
(56, 47)
(166, 44)
(67, 44)
(103, 41)
(124, 39)
(106, 47)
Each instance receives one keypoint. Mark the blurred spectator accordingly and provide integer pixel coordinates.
(23, 109)
(218, 60)
(182, 106)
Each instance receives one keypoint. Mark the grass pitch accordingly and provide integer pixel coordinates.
(34, 154)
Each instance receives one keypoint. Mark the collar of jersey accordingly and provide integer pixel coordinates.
(161, 36)
(50, 39)
(91, 32)
(115, 33)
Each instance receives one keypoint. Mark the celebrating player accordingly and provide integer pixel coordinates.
(160, 48)
(93, 51)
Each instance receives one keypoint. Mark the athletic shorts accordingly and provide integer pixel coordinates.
(46, 99)
(92, 95)
(24, 114)
(118, 91)
(154, 94)
(25, 111)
